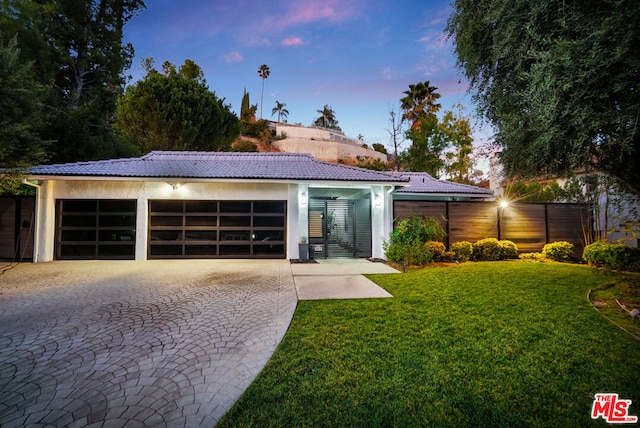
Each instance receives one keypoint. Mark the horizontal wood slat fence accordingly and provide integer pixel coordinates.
(529, 226)
(16, 228)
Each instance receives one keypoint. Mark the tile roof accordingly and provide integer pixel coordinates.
(220, 165)
(421, 182)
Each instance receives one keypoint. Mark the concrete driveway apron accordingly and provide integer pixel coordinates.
(136, 344)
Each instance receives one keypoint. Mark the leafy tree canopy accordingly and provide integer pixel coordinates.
(78, 54)
(327, 118)
(21, 115)
(558, 81)
(175, 111)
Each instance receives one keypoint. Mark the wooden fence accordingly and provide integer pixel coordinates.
(529, 226)
(16, 228)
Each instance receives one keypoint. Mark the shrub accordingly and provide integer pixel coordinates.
(407, 242)
(486, 249)
(449, 256)
(612, 256)
(490, 249)
(531, 256)
(462, 250)
(596, 253)
(559, 251)
(244, 146)
(437, 250)
(508, 250)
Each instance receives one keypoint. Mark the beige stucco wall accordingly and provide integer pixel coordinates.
(322, 144)
(143, 191)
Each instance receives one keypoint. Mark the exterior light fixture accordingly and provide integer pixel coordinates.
(377, 200)
(303, 198)
(175, 186)
(504, 203)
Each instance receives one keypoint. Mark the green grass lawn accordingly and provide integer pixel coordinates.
(480, 344)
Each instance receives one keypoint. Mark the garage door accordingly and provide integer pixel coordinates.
(95, 229)
(217, 229)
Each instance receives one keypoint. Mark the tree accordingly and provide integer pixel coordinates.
(557, 80)
(78, 54)
(379, 148)
(175, 112)
(280, 109)
(419, 101)
(456, 130)
(327, 118)
(247, 111)
(428, 143)
(263, 72)
(22, 115)
(395, 135)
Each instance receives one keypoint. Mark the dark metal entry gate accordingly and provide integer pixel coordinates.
(340, 228)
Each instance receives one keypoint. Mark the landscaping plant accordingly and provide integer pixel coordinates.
(462, 250)
(559, 251)
(407, 243)
(490, 249)
(612, 256)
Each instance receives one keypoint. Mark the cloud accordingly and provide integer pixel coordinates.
(292, 41)
(232, 57)
(386, 73)
(306, 11)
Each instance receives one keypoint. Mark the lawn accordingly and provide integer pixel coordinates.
(480, 344)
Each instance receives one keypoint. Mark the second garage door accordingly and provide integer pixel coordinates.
(216, 229)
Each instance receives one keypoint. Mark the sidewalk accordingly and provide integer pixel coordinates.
(338, 279)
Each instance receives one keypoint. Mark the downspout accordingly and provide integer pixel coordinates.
(36, 218)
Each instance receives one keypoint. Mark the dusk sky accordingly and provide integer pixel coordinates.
(357, 56)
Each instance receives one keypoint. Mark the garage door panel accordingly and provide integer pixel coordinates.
(217, 229)
(95, 229)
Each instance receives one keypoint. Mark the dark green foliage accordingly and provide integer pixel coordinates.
(407, 242)
(612, 256)
(379, 148)
(175, 112)
(244, 146)
(559, 251)
(79, 57)
(462, 250)
(490, 249)
(534, 192)
(428, 143)
(327, 119)
(256, 129)
(22, 115)
(558, 81)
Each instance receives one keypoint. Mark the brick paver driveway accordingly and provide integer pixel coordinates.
(157, 343)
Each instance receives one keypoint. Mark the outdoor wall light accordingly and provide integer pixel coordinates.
(175, 186)
(303, 198)
(377, 200)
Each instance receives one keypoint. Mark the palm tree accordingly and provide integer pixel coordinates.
(419, 101)
(327, 118)
(281, 110)
(263, 72)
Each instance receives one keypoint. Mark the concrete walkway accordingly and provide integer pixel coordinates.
(136, 344)
(338, 279)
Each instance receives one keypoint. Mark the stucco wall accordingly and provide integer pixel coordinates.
(322, 144)
(143, 191)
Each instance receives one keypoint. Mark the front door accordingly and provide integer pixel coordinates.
(340, 228)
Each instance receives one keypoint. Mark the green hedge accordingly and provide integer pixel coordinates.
(559, 251)
(612, 256)
(490, 249)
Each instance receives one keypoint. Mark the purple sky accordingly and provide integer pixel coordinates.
(357, 56)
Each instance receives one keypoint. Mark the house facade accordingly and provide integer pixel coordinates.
(210, 205)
